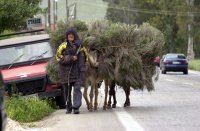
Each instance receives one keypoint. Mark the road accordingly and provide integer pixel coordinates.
(173, 106)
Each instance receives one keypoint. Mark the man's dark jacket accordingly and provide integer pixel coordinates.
(77, 73)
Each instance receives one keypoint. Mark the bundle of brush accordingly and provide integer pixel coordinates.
(120, 61)
(52, 70)
(58, 37)
(149, 42)
(125, 51)
(96, 30)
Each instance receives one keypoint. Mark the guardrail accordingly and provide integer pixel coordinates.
(23, 32)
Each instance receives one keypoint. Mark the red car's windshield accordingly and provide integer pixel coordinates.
(25, 53)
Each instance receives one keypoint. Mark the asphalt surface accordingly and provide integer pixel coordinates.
(173, 106)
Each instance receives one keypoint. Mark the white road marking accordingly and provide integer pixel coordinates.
(127, 121)
(169, 80)
(188, 83)
(194, 72)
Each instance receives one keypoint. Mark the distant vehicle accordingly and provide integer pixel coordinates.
(2, 109)
(23, 66)
(174, 62)
(161, 60)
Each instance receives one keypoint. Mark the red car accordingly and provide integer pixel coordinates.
(3, 117)
(23, 66)
(157, 61)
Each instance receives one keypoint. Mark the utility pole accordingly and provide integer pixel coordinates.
(45, 17)
(190, 51)
(75, 10)
(67, 10)
(49, 13)
(54, 14)
(56, 11)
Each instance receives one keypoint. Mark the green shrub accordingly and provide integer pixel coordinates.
(194, 64)
(7, 32)
(27, 109)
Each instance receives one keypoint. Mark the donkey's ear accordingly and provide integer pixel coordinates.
(89, 41)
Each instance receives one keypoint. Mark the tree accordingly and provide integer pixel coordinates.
(161, 14)
(171, 17)
(14, 13)
(189, 27)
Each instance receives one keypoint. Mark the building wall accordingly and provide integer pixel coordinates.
(86, 10)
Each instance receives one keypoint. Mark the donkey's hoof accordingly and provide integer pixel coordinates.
(108, 106)
(126, 104)
(91, 110)
(104, 107)
(113, 105)
(95, 108)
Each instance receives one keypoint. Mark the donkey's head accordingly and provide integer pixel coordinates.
(93, 58)
(92, 52)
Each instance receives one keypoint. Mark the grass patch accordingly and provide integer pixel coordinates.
(26, 110)
(7, 32)
(194, 64)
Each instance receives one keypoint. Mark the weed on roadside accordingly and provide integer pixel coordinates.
(194, 64)
(27, 109)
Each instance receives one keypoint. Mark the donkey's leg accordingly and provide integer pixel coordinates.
(112, 88)
(127, 93)
(96, 97)
(106, 95)
(111, 93)
(109, 100)
(114, 99)
(86, 97)
(91, 97)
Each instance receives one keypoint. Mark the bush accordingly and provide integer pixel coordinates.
(27, 109)
(7, 32)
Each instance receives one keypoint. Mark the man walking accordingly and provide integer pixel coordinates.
(72, 69)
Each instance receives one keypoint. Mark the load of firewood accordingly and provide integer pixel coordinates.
(125, 52)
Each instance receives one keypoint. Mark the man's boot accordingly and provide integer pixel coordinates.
(69, 108)
(69, 101)
(76, 111)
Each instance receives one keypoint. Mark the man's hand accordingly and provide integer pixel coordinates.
(74, 58)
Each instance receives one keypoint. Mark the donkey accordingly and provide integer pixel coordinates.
(93, 78)
(112, 92)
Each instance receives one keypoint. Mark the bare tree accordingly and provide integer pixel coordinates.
(190, 51)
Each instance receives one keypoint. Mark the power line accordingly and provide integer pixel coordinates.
(158, 12)
(147, 11)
